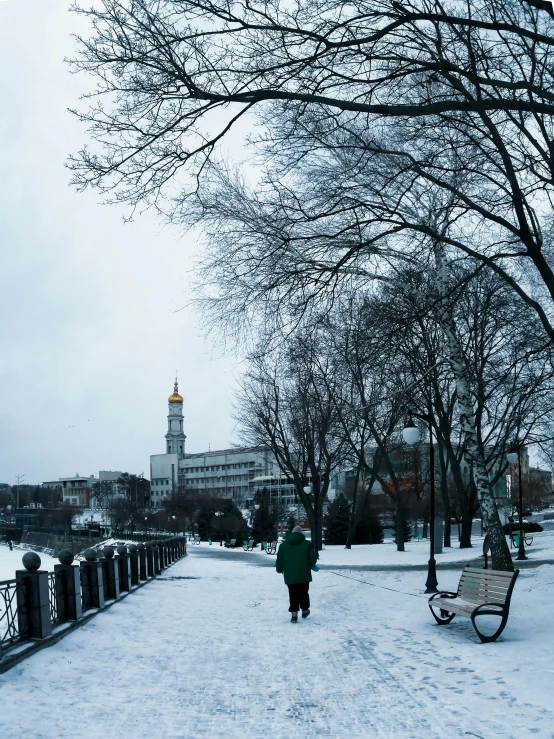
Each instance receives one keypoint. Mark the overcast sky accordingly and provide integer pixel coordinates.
(91, 334)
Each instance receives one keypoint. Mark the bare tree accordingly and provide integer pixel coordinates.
(285, 405)
(468, 88)
(470, 93)
(102, 493)
(184, 503)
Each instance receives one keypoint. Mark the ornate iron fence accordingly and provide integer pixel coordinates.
(9, 629)
(56, 595)
(70, 590)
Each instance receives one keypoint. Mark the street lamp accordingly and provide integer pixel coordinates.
(410, 434)
(218, 515)
(514, 457)
(257, 506)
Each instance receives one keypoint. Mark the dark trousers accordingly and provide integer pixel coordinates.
(299, 597)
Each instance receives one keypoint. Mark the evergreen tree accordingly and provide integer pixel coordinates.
(230, 524)
(337, 520)
(406, 528)
(264, 525)
(369, 529)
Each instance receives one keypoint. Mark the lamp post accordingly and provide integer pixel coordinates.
(410, 434)
(514, 457)
(257, 506)
(218, 515)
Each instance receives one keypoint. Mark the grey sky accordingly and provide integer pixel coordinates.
(90, 337)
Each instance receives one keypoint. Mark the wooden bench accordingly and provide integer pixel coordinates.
(248, 546)
(271, 547)
(231, 544)
(480, 593)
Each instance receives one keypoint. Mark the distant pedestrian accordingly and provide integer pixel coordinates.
(295, 560)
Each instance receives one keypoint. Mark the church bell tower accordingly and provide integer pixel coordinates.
(175, 437)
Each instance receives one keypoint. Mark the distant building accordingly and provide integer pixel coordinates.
(227, 473)
(76, 490)
(537, 483)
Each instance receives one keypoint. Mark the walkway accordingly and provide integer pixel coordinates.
(208, 651)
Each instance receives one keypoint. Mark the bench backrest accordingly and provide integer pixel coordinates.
(487, 586)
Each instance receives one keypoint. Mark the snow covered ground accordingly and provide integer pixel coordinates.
(417, 552)
(208, 651)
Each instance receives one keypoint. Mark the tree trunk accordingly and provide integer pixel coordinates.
(465, 538)
(468, 510)
(353, 512)
(319, 496)
(447, 527)
(444, 493)
(501, 558)
(399, 525)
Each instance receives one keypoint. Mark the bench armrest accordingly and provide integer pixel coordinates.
(445, 594)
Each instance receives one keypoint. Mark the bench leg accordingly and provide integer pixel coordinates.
(444, 618)
(486, 639)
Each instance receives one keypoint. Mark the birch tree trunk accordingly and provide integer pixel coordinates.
(501, 559)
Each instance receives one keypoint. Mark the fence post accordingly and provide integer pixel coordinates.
(163, 560)
(123, 563)
(92, 581)
(150, 559)
(68, 587)
(33, 604)
(143, 571)
(156, 551)
(112, 574)
(134, 559)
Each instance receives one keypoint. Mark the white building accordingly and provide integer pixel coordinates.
(76, 490)
(227, 473)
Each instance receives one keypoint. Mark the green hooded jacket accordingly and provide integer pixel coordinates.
(295, 558)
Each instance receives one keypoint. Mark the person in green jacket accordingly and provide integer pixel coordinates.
(295, 560)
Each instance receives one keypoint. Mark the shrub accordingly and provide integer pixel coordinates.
(529, 527)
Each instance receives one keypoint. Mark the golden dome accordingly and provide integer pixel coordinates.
(175, 398)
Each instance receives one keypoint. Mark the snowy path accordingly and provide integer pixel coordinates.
(216, 656)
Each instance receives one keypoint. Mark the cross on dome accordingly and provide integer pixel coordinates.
(175, 398)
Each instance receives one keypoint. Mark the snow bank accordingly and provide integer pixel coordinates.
(11, 561)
